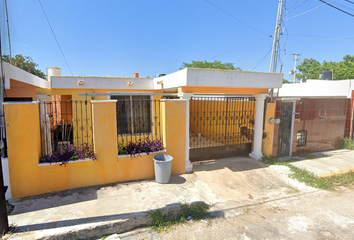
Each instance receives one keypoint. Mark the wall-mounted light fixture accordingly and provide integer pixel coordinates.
(274, 121)
(81, 82)
(130, 83)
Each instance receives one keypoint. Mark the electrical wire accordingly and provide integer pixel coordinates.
(327, 3)
(238, 19)
(310, 10)
(297, 6)
(349, 1)
(237, 48)
(13, 9)
(318, 36)
(55, 37)
(262, 59)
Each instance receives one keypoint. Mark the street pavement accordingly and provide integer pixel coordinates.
(229, 185)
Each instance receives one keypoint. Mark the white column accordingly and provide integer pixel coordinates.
(187, 96)
(258, 127)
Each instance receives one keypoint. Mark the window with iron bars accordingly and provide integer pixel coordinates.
(133, 114)
(138, 118)
(301, 138)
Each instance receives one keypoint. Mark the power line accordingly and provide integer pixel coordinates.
(13, 9)
(238, 48)
(55, 37)
(336, 8)
(318, 36)
(262, 59)
(237, 19)
(349, 1)
(296, 6)
(310, 10)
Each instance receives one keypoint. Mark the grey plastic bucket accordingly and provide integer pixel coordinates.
(163, 165)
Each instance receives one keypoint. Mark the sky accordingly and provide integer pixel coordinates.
(151, 37)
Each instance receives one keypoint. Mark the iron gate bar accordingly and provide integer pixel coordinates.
(223, 122)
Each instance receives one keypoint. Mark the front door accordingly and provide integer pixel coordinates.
(284, 136)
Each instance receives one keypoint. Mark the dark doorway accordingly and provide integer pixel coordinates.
(284, 136)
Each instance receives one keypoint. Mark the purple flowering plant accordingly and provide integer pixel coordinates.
(70, 153)
(148, 146)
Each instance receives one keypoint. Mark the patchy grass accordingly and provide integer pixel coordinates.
(306, 155)
(246, 210)
(276, 209)
(163, 221)
(292, 190)
(302, 175)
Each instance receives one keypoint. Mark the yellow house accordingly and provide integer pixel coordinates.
(198, 114)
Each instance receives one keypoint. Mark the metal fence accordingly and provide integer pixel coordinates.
(138, 118)
(221, 121)
(64, 123)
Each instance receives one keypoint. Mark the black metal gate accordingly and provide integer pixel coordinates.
(284, 134)
(220, 127)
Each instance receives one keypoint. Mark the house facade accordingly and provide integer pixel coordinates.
(198, 114)
(314, 116)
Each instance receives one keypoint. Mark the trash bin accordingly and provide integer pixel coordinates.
(163, 165)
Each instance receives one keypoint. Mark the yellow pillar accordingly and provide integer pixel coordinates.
(23, 146)
(269, 129)
(175, 134)
(104, 124)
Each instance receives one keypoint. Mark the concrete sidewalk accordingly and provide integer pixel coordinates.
(229, 185)
(328, 163)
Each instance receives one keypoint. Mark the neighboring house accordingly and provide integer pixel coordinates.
(199, 114)
(20, 86)
(314, 116)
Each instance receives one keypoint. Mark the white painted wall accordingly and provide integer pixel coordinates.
(318, 88)
(6, 176)
(220, 78)
(20, 75)
(226, 78)
(176, 79)
(102, 83)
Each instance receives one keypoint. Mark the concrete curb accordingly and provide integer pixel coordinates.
(90, 230)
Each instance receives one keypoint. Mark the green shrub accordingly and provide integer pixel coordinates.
(346, 143)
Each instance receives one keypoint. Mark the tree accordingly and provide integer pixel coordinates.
(286, 81)
(311, 68)
(216, 64)
(25, 63)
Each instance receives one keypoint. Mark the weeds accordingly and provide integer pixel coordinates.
(292, 190)
(346, 143)
(276, 209)
(160, 221)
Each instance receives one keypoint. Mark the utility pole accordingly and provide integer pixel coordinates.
(4, 222)
(273, 62)
(295, 59)
(8, 32)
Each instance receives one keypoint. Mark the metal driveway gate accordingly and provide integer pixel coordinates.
(220, 127)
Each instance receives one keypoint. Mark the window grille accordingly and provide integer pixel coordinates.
(138, 117)
(301, 138)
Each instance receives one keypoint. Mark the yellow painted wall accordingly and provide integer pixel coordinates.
(267, 145)
(204, 118)
(24, 148)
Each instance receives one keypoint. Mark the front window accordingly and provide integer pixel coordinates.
(133, 114)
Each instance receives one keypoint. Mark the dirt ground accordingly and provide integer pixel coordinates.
(315, 215)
